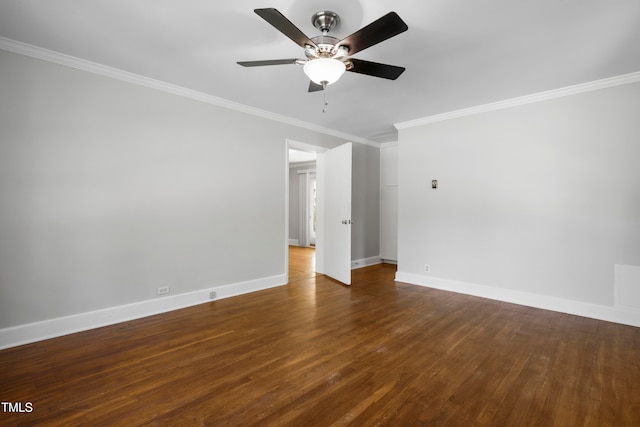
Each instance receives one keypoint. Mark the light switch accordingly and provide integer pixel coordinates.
(434, 184)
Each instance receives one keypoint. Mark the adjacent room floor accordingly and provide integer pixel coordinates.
(302, 262)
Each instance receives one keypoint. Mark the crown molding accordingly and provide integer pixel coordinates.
(389, 144)
(308, 164)
(387, 135)
(523, 100)
(118, 74)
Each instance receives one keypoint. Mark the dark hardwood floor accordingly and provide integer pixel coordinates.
(316, 353)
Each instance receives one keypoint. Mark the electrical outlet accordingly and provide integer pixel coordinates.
(427, 268)
(162, 290)
(212, 295)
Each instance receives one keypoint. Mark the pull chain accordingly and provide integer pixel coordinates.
(324, 90)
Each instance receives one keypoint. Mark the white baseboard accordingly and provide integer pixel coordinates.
(38, 331)
(294, 242)
(621, 315)
(364, 262)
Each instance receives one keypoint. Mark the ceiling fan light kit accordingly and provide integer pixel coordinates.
(327, 57)
(324, 70)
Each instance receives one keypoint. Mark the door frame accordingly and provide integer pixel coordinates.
(297, 145)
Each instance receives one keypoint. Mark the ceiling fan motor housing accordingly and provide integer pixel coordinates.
(326, 47)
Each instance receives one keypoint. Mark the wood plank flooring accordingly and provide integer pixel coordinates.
(302, 262)
(316, 353)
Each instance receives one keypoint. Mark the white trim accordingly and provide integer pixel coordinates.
(294, 242)
(115, 73)
(523, 100)
(306, 171)
(546, 302)
(287, 177)
(32, 332)
(365, 262)
(303, 165)
(303, 146)
(389, 144)
(388, 135)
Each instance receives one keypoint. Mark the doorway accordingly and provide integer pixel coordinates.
(301, 209)
(301, 186)
(333, 209)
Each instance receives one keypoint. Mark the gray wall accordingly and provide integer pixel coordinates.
(365, 202)
(541, 198)
(109, 190)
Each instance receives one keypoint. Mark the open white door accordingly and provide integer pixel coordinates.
(333, 239)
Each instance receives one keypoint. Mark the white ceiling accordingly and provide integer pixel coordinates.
(458, 53)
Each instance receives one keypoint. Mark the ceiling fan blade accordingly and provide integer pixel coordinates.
(268, 62)
(376, 69)
(314, 87)
(286, 27)
(380, 30)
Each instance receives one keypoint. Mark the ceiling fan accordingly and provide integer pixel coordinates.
(327, 58)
